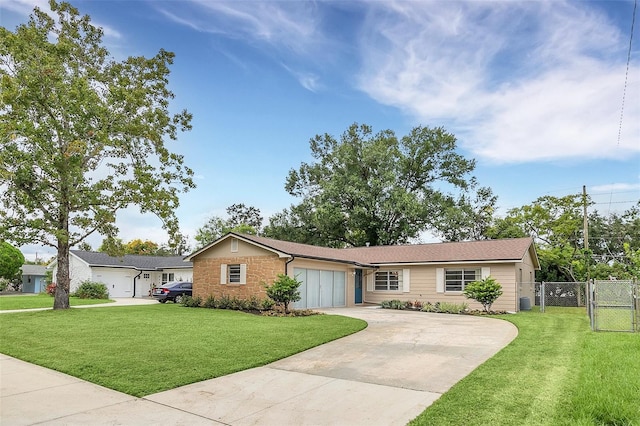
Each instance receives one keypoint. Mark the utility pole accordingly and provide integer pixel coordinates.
(585, 225)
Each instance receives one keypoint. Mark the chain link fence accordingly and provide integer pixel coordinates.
(571, 294)
(614, 305)
(611, 305)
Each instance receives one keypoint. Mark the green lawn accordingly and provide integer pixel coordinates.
(142, 350)
(41, 301)
(556, 372)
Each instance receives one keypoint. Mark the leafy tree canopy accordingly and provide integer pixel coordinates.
(11, 260)
(83, 136)
(138, 246)
(374, 188)
(242, 219)
(468, 217)
(557, 224)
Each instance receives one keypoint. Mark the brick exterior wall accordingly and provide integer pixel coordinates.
(260, 270)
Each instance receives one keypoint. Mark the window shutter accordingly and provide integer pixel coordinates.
(486, 271)
(223, 273)
(370, 281)
(439, 280)
(243, 273)
(406, 280)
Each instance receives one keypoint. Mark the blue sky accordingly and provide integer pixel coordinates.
(533, 90)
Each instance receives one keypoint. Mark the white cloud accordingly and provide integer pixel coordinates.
(308, 80)
(293, 26)
(516, 81)
(616, 187)
(25, 7)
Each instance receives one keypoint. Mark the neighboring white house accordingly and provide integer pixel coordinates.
(126, 276)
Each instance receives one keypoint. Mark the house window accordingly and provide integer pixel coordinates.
(387, 280)
(234, 245)
(167, 277)
(456, 279)
(146, 276)
(234, 274)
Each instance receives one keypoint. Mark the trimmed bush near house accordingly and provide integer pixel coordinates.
(284, 290)
(485, 291)
(192, 302)
(90, 290)
(437, 307)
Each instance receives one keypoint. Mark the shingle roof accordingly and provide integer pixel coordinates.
(147, 263)
(34, 270)
(513, 249)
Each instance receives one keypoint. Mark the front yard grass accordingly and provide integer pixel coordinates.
(8, 303)
(140, 350)
(556, 372)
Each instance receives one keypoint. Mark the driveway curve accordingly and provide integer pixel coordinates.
(386, 374)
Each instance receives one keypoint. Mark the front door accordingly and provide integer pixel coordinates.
(358, 286)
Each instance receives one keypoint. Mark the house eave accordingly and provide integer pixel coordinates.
(445, 262)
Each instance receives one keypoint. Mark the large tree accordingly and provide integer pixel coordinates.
(241, 218)
(470, 217)
(83, 136)
(557, 224)
(374, 188)
(11, 260)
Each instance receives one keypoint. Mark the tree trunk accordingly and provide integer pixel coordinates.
(62, 277)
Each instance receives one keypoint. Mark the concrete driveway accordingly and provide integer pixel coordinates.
(386, 374)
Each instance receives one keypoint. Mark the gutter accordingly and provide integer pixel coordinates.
(286, 265)
(134, 283)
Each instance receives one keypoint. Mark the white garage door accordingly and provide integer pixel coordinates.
(119, 282)
(320, 289)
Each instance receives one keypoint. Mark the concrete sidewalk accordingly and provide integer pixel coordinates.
(386, 374)
(117, 301)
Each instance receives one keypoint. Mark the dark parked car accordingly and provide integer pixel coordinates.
(173, 291)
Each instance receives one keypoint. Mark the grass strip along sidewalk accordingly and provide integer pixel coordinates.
(556, 372)
(9, 303)
(142, 350)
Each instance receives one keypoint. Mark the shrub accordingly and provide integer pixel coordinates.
(91, 290)
(485, 291)
(210, 302)
(395, 304)
(429, 307)
(253, 303)
(239, 304)
(267, 305)
(452, 308)
(192, 302)
(51, 289)
(284, 290)
(4, 283)
(224, 302)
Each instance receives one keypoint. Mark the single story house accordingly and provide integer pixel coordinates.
(239, 265)
(33, 278)
(125, 276)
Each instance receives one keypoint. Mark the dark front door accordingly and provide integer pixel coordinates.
(358, 298)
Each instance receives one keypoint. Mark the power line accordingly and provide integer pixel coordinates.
(626, 76)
